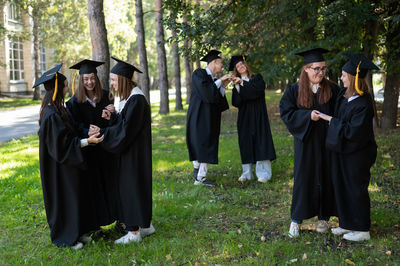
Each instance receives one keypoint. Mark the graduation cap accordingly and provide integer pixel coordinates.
(313, 55)
(85, 66)
(210, 56)
(124, 69)
(358, 65)
(49, 76)
(236, 59)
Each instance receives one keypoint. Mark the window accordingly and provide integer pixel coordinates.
(13, 12)
(16, 59)
(42, 58)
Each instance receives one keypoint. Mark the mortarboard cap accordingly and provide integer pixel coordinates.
(210, 56)
(87, 66)
(358, 60)
(49, 76)
(124, 69)
(313, 55)
(236, 59)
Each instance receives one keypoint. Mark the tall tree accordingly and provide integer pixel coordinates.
(144, 79)
(177, 66)
(162, 60)
(392, 59)
(98, 35)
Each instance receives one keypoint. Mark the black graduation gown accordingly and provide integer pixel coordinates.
(312, 189)
(351, 138)
(61, 161)
(203, 122)
(255, 139)
(101, 164)
(130, 138)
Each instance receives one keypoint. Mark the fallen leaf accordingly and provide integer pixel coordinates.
(168, 257)
(308, 243)
(388, 252)
(349, 262)
(293, 260)
(263, 238)
(197, 263)
(304, 256)
(222, 206)
(240, 245)
(239, 231)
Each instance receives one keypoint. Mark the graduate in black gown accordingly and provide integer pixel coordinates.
(85, 108)
(203, 123)
(255, 139)
(130, 138)
(61, 163)
(299, 109)
(351, 139)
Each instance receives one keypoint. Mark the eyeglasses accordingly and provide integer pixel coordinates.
(318, 70)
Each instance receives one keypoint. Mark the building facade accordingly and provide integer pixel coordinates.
(16, 53)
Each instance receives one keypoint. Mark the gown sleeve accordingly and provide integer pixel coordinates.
(236, 99)
(253, 89)
(206, 88)
(62, 144)
(297, 120)
(127, 126)
(354, 130)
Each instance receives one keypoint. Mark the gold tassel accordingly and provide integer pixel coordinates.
(356, 81)
(244, 59)
(55, 89)
(73, 84)
(133, 76)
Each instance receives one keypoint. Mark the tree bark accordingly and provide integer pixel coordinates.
(178, 96)
(392, 85)
(162, 60)
(98, 36)
(144, 77)
(36, 53)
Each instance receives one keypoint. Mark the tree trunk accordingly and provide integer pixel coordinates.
(98, 35)
(144, 77)
(36, 53)
(392, 86)
(162, 60)
(178, 96)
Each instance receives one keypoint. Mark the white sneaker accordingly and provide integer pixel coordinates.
(294, 230)
(77, 246)
(262, 180)
(147, 231)
(322, 226)
(339, 231)
(129, 237)
(85, 238)
(243, 179)
(357, 236)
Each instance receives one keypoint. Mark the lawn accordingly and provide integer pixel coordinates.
(231, 223)
(13, 103)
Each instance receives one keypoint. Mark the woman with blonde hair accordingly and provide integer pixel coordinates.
(255, 139)
(299, 108)
(351, 138)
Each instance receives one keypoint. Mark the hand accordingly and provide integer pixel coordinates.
(110, 108)
(226, 77)
(236, 80)
(106, 114)
(325, 117)
(93, 129)
(94, 138)
(315, 115)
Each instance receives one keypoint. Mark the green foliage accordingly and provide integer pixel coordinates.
(233, 223)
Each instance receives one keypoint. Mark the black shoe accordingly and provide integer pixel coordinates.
(195, 172)
(205, 182)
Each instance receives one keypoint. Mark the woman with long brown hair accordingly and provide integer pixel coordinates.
(299, 109)
(130, 138)
(255, 139)
(351, 138)
(85, 108)
(61, 162)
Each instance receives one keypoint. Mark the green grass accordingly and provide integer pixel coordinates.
(13, 103)
(220, 225)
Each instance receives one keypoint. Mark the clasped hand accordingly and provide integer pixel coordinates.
(227, 78)
(106, 114)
